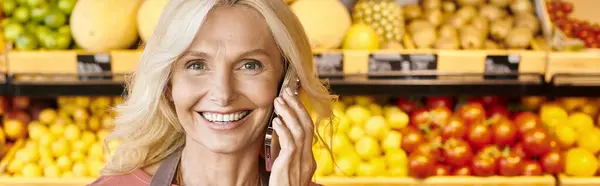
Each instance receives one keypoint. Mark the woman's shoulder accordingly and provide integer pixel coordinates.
(136, 178)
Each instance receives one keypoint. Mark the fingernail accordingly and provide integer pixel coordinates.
(280, 101)
(289, 91)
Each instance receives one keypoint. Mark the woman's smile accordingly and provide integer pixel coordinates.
(223, 120)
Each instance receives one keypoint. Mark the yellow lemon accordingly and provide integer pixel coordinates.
(64, 163)
(552, 115)
(47, 116)
(32, 170)
(376, 127)
(358, 114)
(581, 121)
(58, 129)
(356, 133)
(375, 109)
(51, 171)
(36, 130)
(397, 119)
(72, 132)
(60, 147)
(368, 147)
(392, 141)
(80, 169)
(361, 37)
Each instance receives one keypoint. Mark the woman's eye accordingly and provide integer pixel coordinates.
(253, 65)
(196, 66)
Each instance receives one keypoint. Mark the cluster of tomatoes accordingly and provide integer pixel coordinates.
(480, 139)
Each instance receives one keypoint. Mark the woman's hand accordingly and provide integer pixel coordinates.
(295, 164)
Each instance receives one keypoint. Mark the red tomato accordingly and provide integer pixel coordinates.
(430, 150)
(518, 150)
(420, 165)
(457, 152)
(439, 101)
(491, 151)
(484, 166)
(526, 121)
(439, 116)
(536, 142)
(462, 171)
(510, 165)
(441, 170)
(406, 105)
(553, 162)
(420, 118)
(472, 113)
(497, 109)
(479, 135)
(504, 132)
(411, 138)
(532, 168)
(491, 100)
(476, 100)
(455, 128)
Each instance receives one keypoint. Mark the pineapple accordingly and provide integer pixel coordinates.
(384, 16)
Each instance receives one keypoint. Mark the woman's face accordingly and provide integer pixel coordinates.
(224, 85)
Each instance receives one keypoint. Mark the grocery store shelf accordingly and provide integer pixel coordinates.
(52, 85)
(571, 84)
(11, 181)
(548, 180)
(381, 83)
(432, 84)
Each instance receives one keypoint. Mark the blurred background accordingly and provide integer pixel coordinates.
(432, 92)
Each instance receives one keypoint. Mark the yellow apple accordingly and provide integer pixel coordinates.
(80, 169)
(36, 130)
(82, 101)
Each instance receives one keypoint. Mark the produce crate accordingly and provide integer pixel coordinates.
(444, 61)
(72, 62)
(442, 180)
(4, 181)
(573, 181)
(573, 63)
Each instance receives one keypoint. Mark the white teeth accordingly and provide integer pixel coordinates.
(213, 117)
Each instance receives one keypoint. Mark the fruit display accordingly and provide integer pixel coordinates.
(584, 31)
(384, 16)
(447, 136)
(325, 21)
(62, 137)
(37, 24)
(473, 24)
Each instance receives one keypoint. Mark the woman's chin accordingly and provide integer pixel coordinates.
(226, 144)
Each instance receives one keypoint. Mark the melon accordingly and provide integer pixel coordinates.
(103, 25)
(147, 17)
(325, 21)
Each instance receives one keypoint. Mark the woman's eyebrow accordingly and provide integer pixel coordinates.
(256, 51)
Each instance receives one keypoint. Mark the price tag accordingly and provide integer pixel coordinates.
(328, 63)
(394, 62)
(92, 64)
(502, 64)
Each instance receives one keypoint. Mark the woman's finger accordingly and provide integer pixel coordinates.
(284, 160)
(289, 119)
(301, 113)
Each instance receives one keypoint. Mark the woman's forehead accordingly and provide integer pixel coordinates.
(233, 31)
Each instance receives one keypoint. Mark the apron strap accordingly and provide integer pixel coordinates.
(166, 172)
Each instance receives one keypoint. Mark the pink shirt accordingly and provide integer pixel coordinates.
(135, 178)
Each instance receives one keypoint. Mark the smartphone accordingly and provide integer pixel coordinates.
(272, 147)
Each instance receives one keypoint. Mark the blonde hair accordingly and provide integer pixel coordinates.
(146, 123)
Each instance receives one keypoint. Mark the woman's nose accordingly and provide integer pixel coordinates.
(222, 91)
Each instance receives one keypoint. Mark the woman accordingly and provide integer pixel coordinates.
(198, 101)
